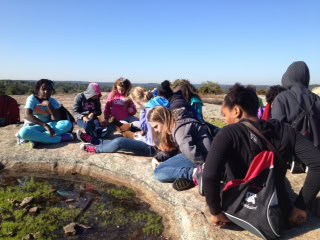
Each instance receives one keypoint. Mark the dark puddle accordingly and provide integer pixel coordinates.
(101, 210)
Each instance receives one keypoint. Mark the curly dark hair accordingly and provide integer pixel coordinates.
(244, 97)
(272, 92)
(42, 81)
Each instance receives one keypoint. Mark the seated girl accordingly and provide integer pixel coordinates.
(86, 109)
(190, 94)
(43, 122)
(233, 149)
(179, 128)
(119, 105)
(142, 144)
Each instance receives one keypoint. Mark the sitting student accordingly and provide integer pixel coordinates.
(119, 105)
(297, 99)
(190, 94)
(42, 117)
(177, 100)
(87, 108)
(142, 142)
(299, 107)
(193, 138)
(264, 113)
(234, 148)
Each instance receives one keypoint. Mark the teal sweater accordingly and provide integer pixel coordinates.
(196, 105)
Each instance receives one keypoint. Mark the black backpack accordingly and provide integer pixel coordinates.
(253, 202)
(306, 122)
(9, 111)
(66, 115)
(212, 130)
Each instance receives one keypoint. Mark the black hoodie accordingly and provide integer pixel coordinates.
(286, 107)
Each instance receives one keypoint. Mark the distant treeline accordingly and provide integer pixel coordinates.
(23, 87)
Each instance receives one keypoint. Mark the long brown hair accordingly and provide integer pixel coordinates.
(163, 140)
(123, 83)
(188, 90)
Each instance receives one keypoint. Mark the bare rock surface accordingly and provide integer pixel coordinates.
(184, 213)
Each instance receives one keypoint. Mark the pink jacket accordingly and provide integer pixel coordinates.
(117, 107)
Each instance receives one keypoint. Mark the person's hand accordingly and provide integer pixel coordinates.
(49, 129)
(85, 119)
(45, 103)
(91, 116)
(297, 217)
(154, 163)
(219, 220)
(128, 134)
(125, 127)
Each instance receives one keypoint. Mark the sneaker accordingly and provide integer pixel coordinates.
(182, 184)
(32, 144)
(197, 178)
(115, 122)
(67, 137)
(20, 141)
(88, 148)
(83, 137)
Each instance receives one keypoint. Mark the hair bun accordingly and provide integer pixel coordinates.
(164, 90)
(165, 84)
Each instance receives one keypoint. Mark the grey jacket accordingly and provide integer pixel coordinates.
(193, 138)
(286, 107)
(83, 104)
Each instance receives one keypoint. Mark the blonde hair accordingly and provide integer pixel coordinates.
(164, 140)
(140, 95)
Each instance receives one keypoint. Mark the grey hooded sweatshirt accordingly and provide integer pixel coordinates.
(84, 105)
(192, 137)
(297, 98)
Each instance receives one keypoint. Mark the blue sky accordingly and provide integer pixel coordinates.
(251, 42)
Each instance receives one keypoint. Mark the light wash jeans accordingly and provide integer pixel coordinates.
(175, 167)
(127, 145)
(131, 119)
(94, 129)
(37, 133)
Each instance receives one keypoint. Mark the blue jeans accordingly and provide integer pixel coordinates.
(131, 119)
(94, 129)
(127, 145)
(176, 167)
(37, 133)
(83, 125)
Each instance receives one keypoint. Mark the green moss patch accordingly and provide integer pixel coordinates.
(107, 209)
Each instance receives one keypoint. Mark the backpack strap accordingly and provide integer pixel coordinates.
(188, 120)
(256, 131)
(211, 132)
(303, 110)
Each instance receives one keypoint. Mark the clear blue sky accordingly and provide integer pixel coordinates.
(149, 41)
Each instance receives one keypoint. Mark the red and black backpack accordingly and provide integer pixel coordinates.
(253, 202)
(9, 111)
